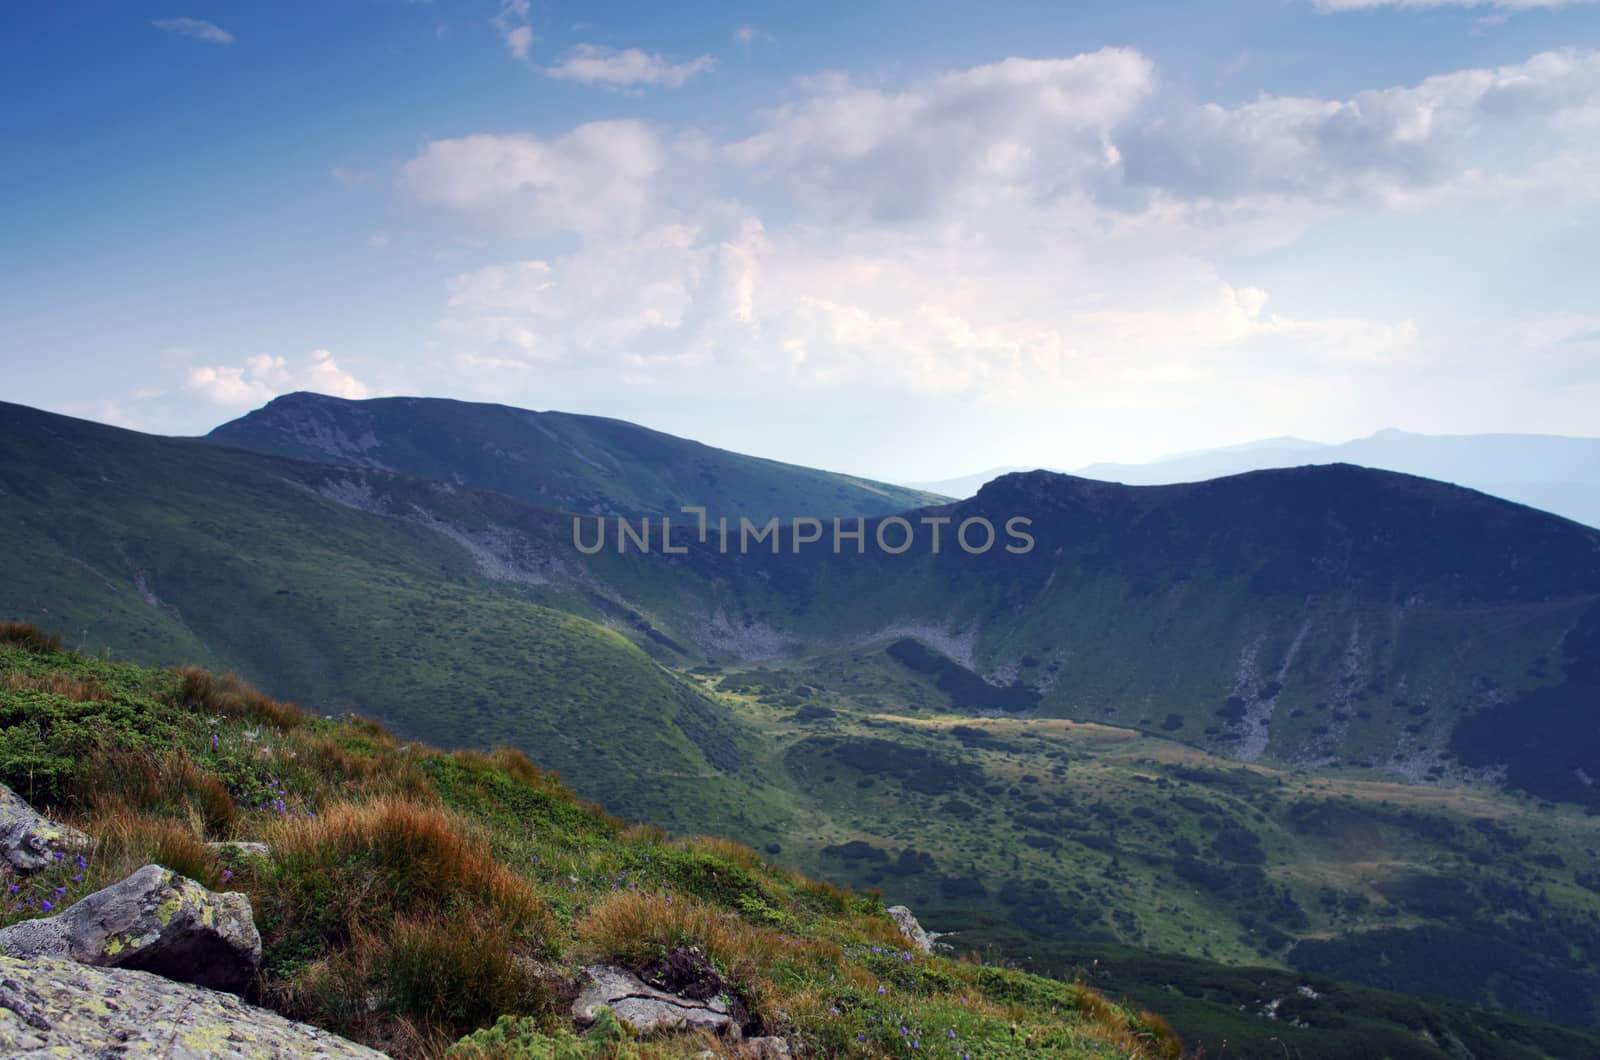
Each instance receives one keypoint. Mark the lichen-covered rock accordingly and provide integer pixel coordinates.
(241, 848)
(155, 921)
(29, 841)
(53, 1008)
(914, 932)
(646, 1009)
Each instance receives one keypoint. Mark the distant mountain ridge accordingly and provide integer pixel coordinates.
(1551, 472)
(587, 464)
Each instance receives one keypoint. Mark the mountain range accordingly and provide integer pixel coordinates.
(1550, 472)
(1329, 717)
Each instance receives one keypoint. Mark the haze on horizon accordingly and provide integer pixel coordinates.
(1045, 237)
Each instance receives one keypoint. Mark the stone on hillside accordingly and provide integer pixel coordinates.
(241, 848)
(914, 932)
(154, 921)
(51, 1008)
(646, 1009)
(29, 841)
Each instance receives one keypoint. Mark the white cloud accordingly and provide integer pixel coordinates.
(601, 175)
(747, 35)
(1030, 235)
(991, 136)
(1035, 133)
(197, 28)
(379, 239)
(592, 64)
(512, 24)
(263, 377)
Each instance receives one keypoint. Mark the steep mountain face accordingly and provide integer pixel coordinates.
(552, 459)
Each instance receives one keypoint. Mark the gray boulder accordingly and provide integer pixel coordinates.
(914, 932)
(646, 1009)
(53, 1008)
(153, 921)
(30, 842)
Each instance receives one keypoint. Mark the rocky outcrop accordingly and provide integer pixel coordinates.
(155, 921)
(645, 1008)
(51, 1007)
(29, 841)
(914, 932)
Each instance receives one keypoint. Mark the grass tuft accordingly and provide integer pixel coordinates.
(29, 636)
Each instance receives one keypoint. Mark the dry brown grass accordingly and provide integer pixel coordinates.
(727, 849)
(127, 839)
(636, 928)
(395, 856)
(78, 690)
(419, 983)
(231, 697)
(28, 635)
(167, 783)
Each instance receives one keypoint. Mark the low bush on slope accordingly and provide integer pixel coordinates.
(412, 897)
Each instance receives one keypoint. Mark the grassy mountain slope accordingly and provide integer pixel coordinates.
(1079, 831)
(553, 459)
(1338, 627)
(163, 550)
(1327, 616)
(411, 897)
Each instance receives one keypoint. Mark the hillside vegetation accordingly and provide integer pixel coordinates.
(429, 903)
(554, 459)
(1406, 669)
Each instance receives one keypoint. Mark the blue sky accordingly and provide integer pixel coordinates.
(907, 239)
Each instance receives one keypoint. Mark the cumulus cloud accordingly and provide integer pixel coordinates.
(512, 24)
(601, 175)
(592, 64)
(995, 135)
(1026, 232)
(263, 377)
(197, 28)
(1379, 143)
(1030, 133)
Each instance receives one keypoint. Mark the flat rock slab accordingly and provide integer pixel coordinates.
(154, 921)
(54, 1008)
(30, 842)
(646, 1009)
